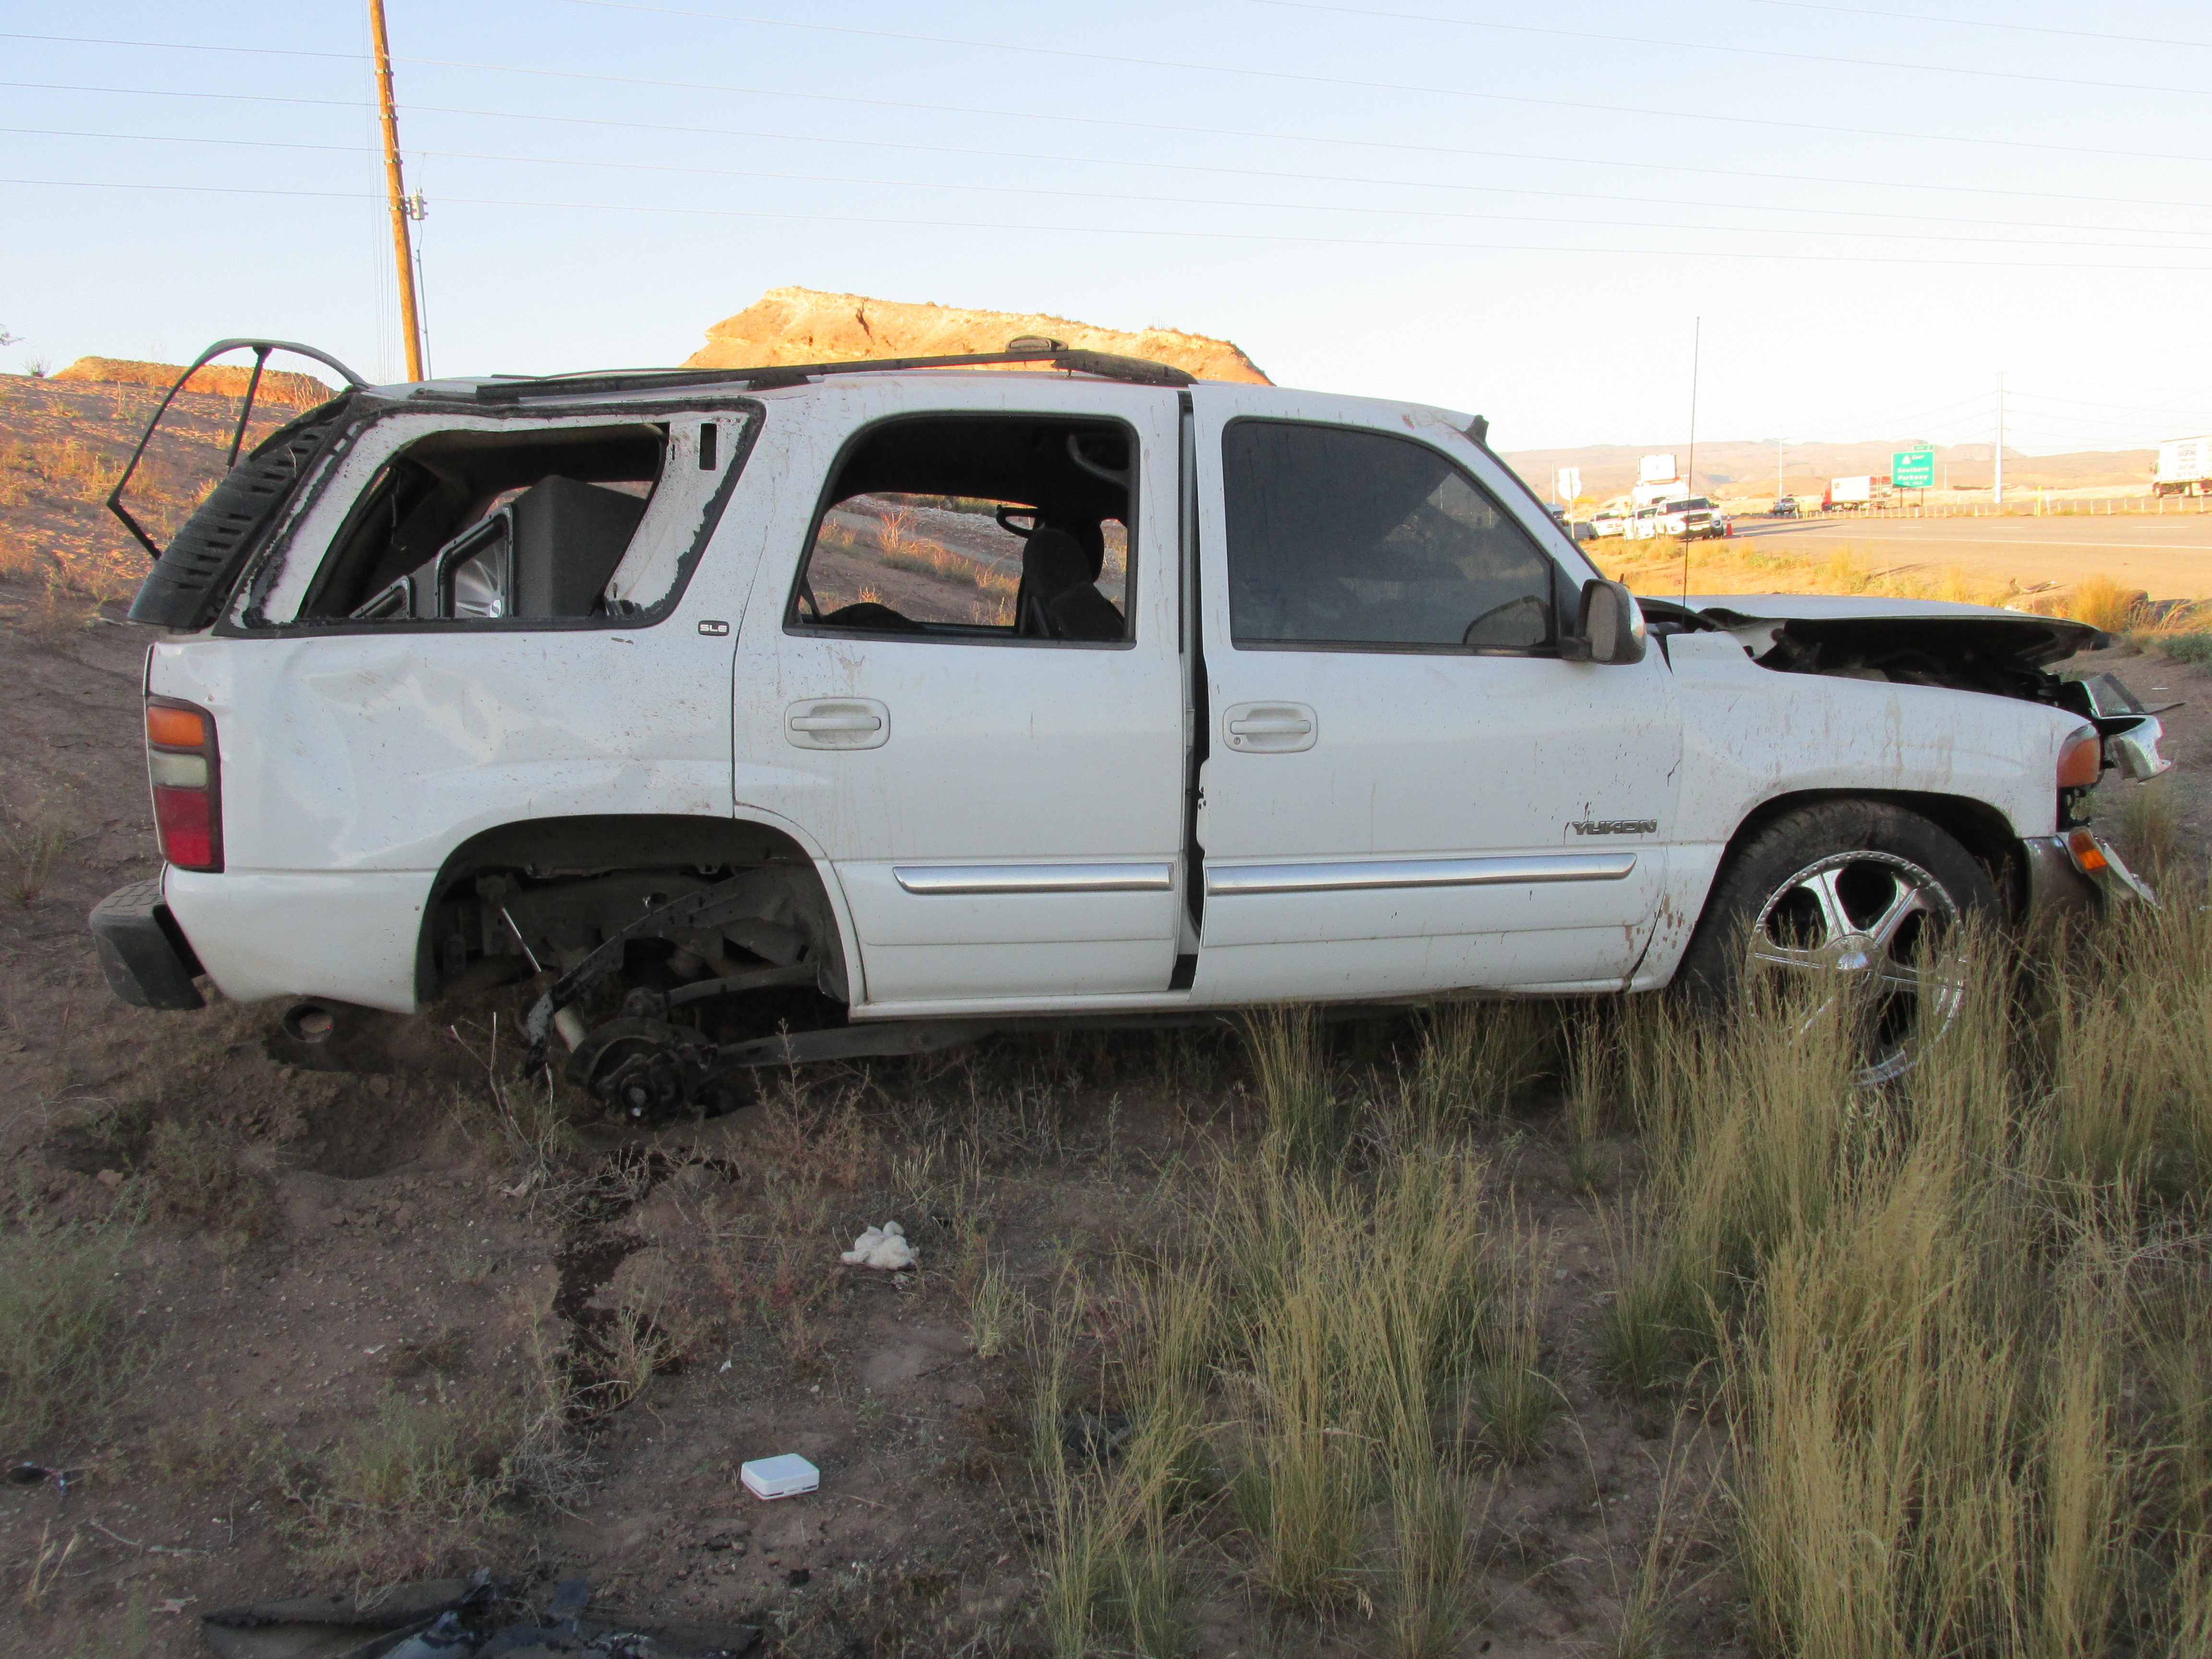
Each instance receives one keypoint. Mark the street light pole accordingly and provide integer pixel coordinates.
(1998, 493)
(409, 323)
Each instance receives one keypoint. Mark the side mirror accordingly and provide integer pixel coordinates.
(1609, 627)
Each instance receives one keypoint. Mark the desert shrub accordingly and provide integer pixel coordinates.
(68, 1352)
(198, 1174)
(2104, 604)
(33, 834)
(1307, 1124)
(2193, 647)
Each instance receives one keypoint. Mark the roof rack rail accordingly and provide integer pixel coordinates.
(1104, 365)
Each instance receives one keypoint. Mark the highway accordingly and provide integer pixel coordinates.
(2170, 557)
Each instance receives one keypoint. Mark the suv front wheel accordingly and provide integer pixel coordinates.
(1862, 895)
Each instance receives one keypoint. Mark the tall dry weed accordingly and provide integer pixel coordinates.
(1307, 1123)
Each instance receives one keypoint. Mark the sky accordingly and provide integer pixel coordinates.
(1827, 222)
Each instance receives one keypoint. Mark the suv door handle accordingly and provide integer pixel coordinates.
(1271, 728)
(837, 723)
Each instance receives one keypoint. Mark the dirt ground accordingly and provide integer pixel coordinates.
(396, 1248)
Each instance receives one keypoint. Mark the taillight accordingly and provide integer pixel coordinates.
(2081, 759)
(186, 774)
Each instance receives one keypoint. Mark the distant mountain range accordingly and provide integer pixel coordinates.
(1737, 468)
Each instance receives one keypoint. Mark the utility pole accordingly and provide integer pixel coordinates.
(1689, 473)
(1697, 339)
(409, 324)
(1998, 494)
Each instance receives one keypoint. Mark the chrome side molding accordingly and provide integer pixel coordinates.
(947, 880)
(1416, 873)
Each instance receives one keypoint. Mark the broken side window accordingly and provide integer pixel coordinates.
(486, 525)
(975, 528)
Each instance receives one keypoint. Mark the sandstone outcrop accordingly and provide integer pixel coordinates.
(804, 326)
(227, 379)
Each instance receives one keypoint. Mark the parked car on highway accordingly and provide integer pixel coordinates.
(1692, 519)
(1785, 507)
(1610, 521)
(756, 716)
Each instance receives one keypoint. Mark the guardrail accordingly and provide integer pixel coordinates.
(2116, 506)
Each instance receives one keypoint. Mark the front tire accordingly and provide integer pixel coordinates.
(1854, 892)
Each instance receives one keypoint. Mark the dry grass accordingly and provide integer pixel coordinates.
(433, 1482)
(1916, 1302)
(2104, 604)
(1300, 1364)
(899, 546)
(197, 1173)
(33, 834)
(1657, 568)
(1306, 1122)
(69, 1353)
(2150, 826)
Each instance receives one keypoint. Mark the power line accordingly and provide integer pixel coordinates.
(1302, 79)
(1742, 51)
(1124, 195)
(1984, 23)
(1123, 60)
(1136, 126)
(1116, 230)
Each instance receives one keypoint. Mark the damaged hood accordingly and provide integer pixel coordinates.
(2018, 639)
(1966, 648)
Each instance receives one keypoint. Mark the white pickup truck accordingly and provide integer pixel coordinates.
(749, 716)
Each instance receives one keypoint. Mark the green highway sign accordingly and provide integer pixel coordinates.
(1913, 469)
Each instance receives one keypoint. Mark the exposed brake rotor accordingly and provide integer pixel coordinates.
(647, 1072)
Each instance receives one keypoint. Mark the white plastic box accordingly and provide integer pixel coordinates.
(779, 1477)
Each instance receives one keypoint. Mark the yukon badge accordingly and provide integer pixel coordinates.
(1616, 827)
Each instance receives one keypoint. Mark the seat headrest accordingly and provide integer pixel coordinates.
(1052, 562)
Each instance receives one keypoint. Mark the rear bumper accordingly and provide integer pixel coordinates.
(148, 961)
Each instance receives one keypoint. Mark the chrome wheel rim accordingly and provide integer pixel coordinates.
(1874, 926)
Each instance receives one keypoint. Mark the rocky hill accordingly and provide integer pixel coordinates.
(804, 326)
(223, 380)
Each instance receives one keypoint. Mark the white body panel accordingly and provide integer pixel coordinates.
(353, 762)
(1445, 766)
(1030, 759)
(1009, 835)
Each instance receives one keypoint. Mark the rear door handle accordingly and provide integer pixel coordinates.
(1271, 728)
(837, 723)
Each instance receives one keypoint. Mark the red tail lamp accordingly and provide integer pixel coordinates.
(186, 773)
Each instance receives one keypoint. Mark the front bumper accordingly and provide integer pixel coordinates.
(148, 961)
(2076, 873)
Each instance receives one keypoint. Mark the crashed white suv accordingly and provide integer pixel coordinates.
(862, 708)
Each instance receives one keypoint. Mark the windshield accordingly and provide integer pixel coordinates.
(1695, 504)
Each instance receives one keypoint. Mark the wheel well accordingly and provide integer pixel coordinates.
(571, 880)
(1984, 832)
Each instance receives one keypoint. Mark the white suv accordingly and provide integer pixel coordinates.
(892, 703)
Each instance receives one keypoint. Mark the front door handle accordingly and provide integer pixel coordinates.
(1270, 728)
(837, 723)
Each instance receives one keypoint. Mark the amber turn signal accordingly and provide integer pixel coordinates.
(2080, 759)
(2088, 857)
(175, 728)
